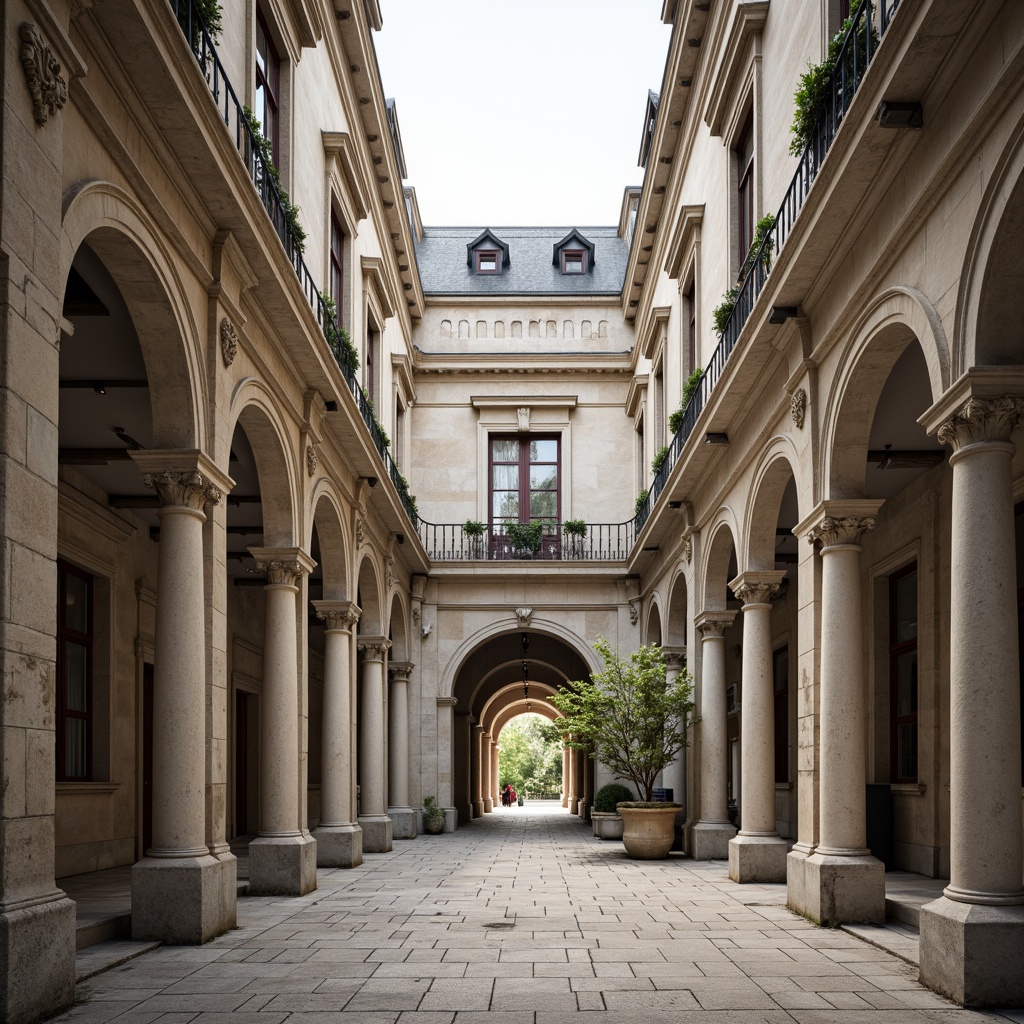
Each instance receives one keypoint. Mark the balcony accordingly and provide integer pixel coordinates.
(601, 542)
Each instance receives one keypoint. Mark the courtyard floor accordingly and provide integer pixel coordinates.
(521, 917)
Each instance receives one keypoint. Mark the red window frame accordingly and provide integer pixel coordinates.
(898, 649)
(780, 687)
(268, 83)
(487, 254)
(337, 263)
(574, 255)
(744, 151)
(66, 635)
(525, 490)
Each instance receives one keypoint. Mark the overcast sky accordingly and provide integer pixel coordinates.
(521, 112)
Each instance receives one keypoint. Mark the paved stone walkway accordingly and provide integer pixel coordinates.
(521, 918)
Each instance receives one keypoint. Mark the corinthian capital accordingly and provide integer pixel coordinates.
(757, 587)
(282, 566)
(834, 530)
(982, 419)
(373, 648)
(712, 625)
(341, 615)
(183, 489)
(400, 671)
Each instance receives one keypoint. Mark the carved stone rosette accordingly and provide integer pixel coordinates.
(228, 342)
(281, 573)
(183, 489)
(798, 407)
(341, 615)
(46, 85)
(713, 627)
(373, 648)
(400, 671)
(834, 530)
(757, 593)
(980, 419)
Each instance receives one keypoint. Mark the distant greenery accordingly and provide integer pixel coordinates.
(530, 756)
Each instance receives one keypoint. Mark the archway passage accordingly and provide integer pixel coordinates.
(506, 676)
(530, 762)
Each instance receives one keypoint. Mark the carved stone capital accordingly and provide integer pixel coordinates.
(340, 615)
(400, 671)
(712, 625)
(757, 587)
(675, 658)
(228, 342)
(373, 648)
(446, 702)
(46, 85)
(982, 419)
(834, 530)
(183, 489)
(282, 566)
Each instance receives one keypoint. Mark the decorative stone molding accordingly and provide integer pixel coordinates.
(834, 530)
(982, 419)
(183, 489)
(389, 571)
(341, 615)
(280, 573)
(634, 613)
(360, 529)
(228, 342)
(757, 587)
(312, 459)
(523, 616)
(446, 702)
(400, 671)
(46, 85)
(798, 406)
(373, 648)
(712, 625)
(523, 418)
(688, 546)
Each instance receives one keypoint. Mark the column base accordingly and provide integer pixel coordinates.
(709, 840)
(451, 819)
(565, 800)
(972, 953)
(488, 805)
(833, 890)
(478, 809)
(403, 822)
(377, 834)
(37, 957)
(282, 865)
(183, 900)
(757, 858)
(338, 846)
(583, 810)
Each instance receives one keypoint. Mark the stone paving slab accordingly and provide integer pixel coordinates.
(522, 918)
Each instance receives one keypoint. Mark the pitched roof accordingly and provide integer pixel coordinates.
(441, 255)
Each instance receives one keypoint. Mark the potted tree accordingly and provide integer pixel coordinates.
(632, 720)
(525, 538)
(575, 531)
(606, 819)
(473, 531)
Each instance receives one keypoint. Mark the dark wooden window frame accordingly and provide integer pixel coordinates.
(897, 648)
(574, 254)
(524, 473)
(745, 190)
(66, 635)
(489, 254)
(337, 263)
(269, 80)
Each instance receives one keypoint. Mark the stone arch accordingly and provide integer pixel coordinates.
(988, 329)
(898, 318)
(371, 598)
(720, 550)
(398, 628)
(677, 613)
(653, 633)
(778, 465)
(254, 409)
(137, 257)
(329, 519)
(509, 624)
(508, 703)
(498, 669)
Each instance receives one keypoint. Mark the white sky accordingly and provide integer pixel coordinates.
(521, 112)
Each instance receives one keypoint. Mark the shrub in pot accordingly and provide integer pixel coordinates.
(473, 531)
(607, 820)
(433, 816)
(575, 531)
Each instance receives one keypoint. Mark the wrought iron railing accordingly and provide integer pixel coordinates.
(235, 118)
(858, 49)
(602, 542)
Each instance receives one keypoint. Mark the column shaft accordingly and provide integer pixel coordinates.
(373, 817)
(478, 771)
(403, 818)
(714, 745)
(486, 785)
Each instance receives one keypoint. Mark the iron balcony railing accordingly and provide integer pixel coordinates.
(602, 542)
(235, 119)
(858, 49)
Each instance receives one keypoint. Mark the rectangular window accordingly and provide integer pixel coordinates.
(691, 341)
(745, 192)
(486, 261)
(903, 674)
(74, 673)
(266, 105)
(372, 353)
(574, 261)
(780, 685)
(525, 479)
(337, 263)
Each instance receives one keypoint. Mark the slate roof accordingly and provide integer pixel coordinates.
(441, 256)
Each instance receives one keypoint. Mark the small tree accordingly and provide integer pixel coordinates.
(628, 716)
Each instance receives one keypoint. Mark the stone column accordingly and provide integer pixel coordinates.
(373, 817)
(674, 775)
(586, 796)
(339, 839)
(757, 853)
(486, 764)
(479, 754)
(445, 759)
(840, 881)
(403, 817)
(711, 835)
(495, 776)
(565, 776)
(282, 859)
(180, 893)
(972, 938)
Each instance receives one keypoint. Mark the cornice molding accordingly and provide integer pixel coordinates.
(684, 239)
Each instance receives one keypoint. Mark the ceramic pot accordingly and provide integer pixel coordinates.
(648, 832)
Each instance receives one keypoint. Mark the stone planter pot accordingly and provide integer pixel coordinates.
(434, 824)
(648, 832)
(607, 824)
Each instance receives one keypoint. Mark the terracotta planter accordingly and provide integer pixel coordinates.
(607, 824)
(648, 832)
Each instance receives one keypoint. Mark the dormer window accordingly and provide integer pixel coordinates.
(574, 261)
(487, 261)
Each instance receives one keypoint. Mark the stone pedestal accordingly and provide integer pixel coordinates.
(840, 880)
(709, 838)
(972, 939)
(282, 858)
(339, 839)
(373, 818)
(757, 853)
(403, 817)
(180, 893)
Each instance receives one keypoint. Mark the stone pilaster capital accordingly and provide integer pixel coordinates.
(675, 658)
(713, 624)
(282, 566)
(838, 521)
(182, 479)
(754, 588)
(982, 419)
(337, 615)
(446, 702)
(373, 648)
(400, 671)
